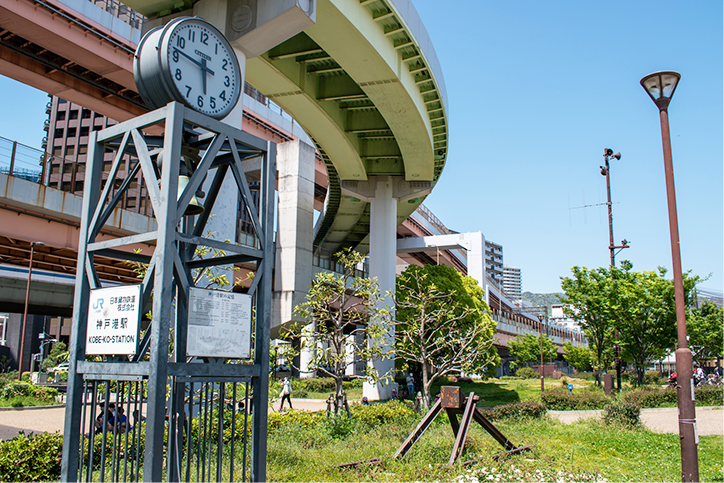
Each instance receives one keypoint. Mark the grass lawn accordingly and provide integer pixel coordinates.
(583, 451)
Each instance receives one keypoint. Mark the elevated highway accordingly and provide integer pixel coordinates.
(364, 82)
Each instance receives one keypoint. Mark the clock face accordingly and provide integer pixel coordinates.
(200, 67)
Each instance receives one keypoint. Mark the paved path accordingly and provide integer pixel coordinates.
(710, 421)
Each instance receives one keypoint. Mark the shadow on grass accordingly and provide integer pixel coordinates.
(490, 393)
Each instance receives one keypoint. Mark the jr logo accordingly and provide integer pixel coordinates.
(98, 306)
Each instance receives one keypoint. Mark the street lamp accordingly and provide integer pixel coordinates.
(660, 86)
(541, 319)
(25, 311)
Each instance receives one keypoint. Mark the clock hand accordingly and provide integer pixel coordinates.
(203, 74)
(191, 58)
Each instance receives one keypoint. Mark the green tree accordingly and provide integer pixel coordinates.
(527, 348)
(640, 305)
(579, 358)
(443, 324)
(705, 326)
(646, 319)
(339, 308)
(592, 299)
(59, 353)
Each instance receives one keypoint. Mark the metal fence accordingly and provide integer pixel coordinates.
(212, 429)
(22, 161)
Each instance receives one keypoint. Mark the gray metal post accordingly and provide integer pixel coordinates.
(74, 397)
(263, 319)
(163, 294)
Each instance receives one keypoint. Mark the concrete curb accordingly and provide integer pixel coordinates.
(29, 408)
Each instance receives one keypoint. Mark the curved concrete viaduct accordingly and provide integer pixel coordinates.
(364, 82)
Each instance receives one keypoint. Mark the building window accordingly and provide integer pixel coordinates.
(61, 101)
(72, 131)
(70, 151)
(54, 169)
(131, 202)
(58, 133)
(66, 186)
(73, 114)
(67, 168)
(58, 151)
(86, 114)
(83, 149)
(78, 186)
(84, 131)
(97, 128)
(60, 116)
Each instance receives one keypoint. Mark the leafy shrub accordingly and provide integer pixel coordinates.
(654, 397)
(31, 458)
(622, 413)
(516, 410)
(561, 400)
(586, 376)
(316, 384)
(709, 396)
(294, 418)
(650, 397)
(13, 389)
(44, 394)
(526, 373)
(652, 377)
(353, 384)
(380, 414)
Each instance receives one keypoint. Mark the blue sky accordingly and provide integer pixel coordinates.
(536, 91)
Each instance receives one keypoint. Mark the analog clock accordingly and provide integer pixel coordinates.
(190, 61)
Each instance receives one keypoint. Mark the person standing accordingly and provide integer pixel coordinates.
(410, 386)
(286, 393)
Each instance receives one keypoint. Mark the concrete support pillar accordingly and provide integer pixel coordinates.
(383, 193)
(476, 257)
(350, 370)
(383, 256)
(306, 354)
(293, 264)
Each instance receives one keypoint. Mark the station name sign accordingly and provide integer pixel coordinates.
(113, 317)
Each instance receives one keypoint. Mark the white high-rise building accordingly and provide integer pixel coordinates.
(512, 283)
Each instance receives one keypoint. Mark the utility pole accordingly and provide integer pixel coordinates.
(605, 170)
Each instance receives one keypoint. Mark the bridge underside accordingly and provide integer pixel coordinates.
(358, 81)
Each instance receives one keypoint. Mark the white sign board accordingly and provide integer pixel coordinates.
(113, 315)
(219, 324)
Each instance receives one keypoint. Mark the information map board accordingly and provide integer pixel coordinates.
(219, 324)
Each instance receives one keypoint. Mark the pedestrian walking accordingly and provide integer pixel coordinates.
(286, 393)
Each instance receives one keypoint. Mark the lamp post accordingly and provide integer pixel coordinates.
(660, 86)
(541, 318)
(605, 171)
(25, 311)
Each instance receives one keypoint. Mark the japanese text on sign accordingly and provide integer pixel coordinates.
(113, 315)
(219, 324)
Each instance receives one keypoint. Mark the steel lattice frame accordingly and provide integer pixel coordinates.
(223, 148)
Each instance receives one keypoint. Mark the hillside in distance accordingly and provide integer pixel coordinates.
(546, 299)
